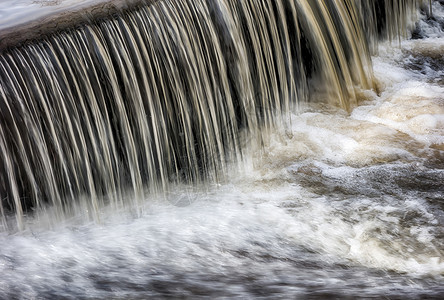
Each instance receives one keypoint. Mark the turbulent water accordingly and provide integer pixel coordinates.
(337, 204)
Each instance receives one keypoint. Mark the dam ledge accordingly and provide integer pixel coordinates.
(29, 20)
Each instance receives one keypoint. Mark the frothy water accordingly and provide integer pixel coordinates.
(337, 205)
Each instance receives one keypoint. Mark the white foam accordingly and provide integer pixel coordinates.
(430, 28)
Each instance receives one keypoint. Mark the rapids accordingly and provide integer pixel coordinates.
(332, 204)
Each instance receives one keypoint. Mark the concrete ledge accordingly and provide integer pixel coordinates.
(27, 20)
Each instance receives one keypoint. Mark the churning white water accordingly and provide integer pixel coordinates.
(342, 204)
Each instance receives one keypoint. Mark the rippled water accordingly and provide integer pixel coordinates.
(343, 205)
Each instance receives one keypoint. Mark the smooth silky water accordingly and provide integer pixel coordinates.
(161, 155)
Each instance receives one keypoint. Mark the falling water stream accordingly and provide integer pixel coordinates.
(225, 149)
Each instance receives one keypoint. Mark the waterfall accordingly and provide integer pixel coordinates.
(173, 91)
(240, 149)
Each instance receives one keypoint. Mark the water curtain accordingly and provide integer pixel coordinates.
(172, 91)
